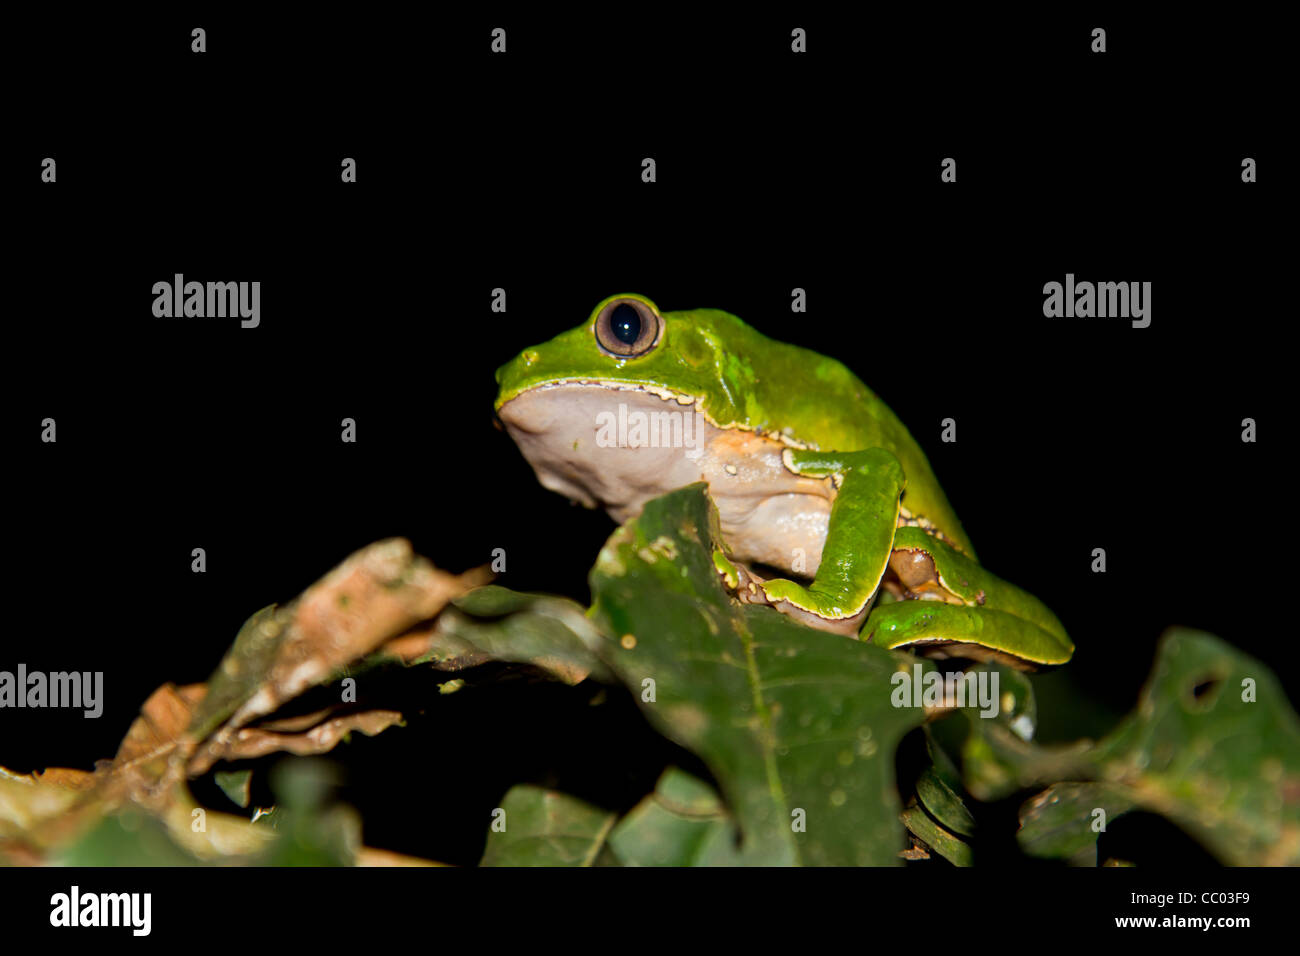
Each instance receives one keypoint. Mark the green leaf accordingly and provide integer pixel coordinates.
(234, 784)
(312, 829)
(129, 838)
(944, 803)
(796, 724)
(1213, 746)
(683, 823)
(1226, 769)
(494, 623)
(242, 670)
(1017, 705)
(996, 763)
(1060, 822)
(950, 847)
(546, 828)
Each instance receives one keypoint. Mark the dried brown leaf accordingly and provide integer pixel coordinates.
(250, 742)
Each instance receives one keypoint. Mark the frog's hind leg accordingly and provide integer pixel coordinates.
(955, 608)
(937, 629)
(863, 520)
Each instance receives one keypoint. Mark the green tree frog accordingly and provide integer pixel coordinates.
(827, 507)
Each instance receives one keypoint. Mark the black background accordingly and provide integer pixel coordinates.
(477, 171)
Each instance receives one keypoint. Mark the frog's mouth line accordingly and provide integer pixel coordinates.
(668, 395)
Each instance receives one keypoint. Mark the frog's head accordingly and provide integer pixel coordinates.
(627, 358)
(627, 342)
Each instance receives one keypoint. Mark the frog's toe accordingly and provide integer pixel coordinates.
(744, 585)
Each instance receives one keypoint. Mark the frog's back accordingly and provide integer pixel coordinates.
(818, 402)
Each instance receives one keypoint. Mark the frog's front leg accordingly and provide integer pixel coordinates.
(959, 609)
(950, 604)
(859, 538)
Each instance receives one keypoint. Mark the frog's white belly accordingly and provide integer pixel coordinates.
(620, 447)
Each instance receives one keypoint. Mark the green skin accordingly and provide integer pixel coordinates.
(739, 378)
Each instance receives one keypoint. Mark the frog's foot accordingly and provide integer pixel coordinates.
(808, 607)
(744, 584)
(915, 578)
(750, 588)
(955, 608)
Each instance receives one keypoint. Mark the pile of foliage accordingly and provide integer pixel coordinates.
(799, 731)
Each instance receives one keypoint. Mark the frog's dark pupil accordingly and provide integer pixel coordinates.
(625, 323)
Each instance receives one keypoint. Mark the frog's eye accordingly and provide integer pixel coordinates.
(627, 328)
